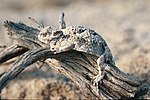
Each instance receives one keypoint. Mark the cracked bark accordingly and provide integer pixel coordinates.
(78, 66)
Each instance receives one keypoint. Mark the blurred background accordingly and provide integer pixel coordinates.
(124, 24)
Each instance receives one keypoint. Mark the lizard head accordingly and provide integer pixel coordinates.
(48, 35)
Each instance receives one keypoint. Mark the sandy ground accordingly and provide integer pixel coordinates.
(124, 24)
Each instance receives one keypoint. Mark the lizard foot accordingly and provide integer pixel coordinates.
(97, 80)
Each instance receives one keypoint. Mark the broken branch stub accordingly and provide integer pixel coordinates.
(78, 66)
(11, 52)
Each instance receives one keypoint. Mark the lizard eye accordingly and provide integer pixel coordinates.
(81, 30)
(58, 33)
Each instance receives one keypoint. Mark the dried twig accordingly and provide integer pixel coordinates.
(78, 66)
(11, 52)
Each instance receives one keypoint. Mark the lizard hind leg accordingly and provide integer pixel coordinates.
(101, 66)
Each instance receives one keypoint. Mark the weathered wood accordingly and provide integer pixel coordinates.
(24, 61)
(23, 35)
(78, 66)
(11, 52)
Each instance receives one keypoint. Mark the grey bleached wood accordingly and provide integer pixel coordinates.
(11, 52)
(24, 61)
(78, 66)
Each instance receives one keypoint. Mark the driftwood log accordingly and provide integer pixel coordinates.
(78, 66)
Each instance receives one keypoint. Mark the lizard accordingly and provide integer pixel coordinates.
(80, 39)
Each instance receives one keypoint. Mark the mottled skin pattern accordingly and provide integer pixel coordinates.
(80, 39)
